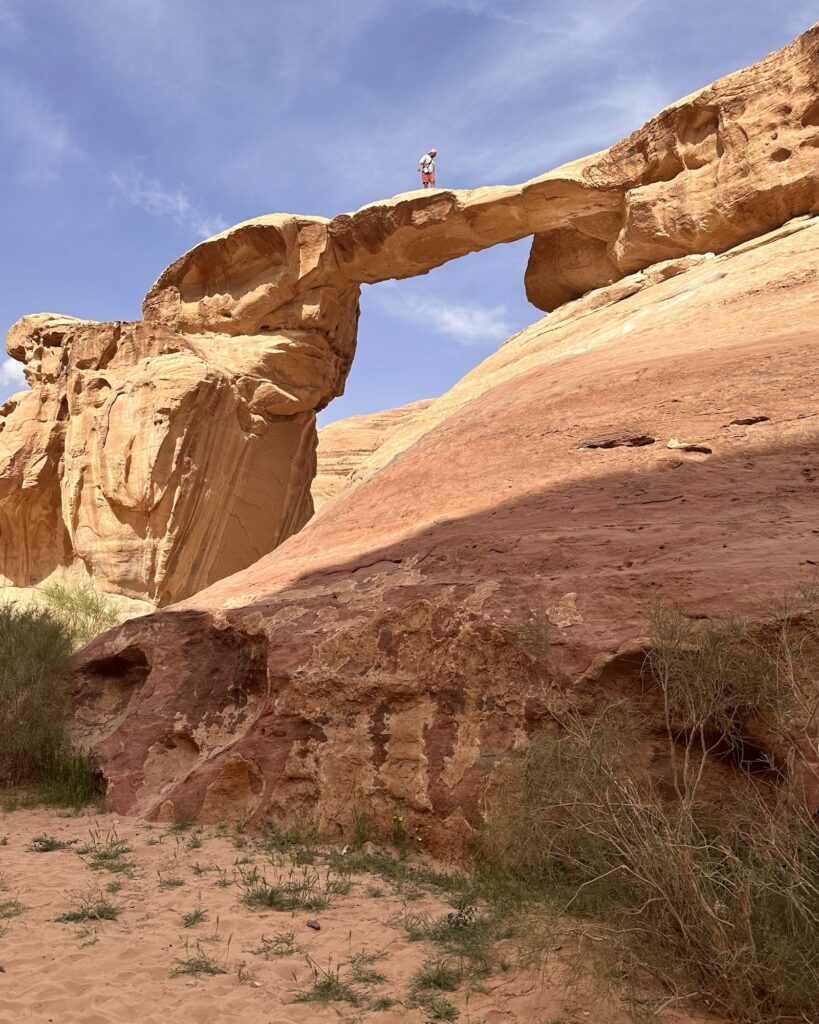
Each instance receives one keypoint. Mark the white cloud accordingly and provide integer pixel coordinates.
(11, 372)
(38, 139)
(467, 325)
(155, 198)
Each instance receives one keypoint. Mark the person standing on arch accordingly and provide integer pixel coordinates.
(426, 165)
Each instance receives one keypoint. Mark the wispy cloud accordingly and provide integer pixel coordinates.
(10, 24)
(11, 372)
(482, 121)
(157, 199)
(468, 325)
(161, 44)
(37, 138)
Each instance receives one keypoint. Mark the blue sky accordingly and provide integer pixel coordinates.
(131, 129)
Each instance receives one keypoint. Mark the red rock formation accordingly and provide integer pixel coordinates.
(370, 656)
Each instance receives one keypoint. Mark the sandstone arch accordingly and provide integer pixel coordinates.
(161, 455)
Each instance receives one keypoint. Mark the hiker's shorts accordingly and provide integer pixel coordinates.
(427, 179)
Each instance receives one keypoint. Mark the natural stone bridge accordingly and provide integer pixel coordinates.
(161, 455)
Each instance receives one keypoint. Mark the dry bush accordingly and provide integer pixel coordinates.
(713, 897)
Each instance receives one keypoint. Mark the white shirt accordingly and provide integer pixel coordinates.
(427, 164)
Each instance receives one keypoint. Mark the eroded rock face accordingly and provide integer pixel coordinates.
(159, 456)
(139, 459)
(371, 657)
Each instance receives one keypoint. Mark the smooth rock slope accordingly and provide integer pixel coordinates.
(347, 445)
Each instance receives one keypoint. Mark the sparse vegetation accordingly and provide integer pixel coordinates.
(35, 652)
(107, 852)
(282, 944)
(171, 882)
(711, 888)
(182, 825)
(436, 1007)
(438, 975)
(196, 961)
(47, 844)
(195, 841)
(361, 968)
(10, 908)
(294, 892)
(194, 917)
(467, 934)
(362, 827)
(328, 987)
(90, 906)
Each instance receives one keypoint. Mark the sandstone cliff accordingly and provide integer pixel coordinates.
(160, 456)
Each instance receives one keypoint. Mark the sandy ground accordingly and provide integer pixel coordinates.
(107, 972)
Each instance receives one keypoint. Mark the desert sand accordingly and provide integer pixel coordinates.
(107, 972)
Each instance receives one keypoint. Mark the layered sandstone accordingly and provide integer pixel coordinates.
(655, 440)
(159, 456)
(347, 445)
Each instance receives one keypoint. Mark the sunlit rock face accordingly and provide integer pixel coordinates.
(160, 456)
(714, 169)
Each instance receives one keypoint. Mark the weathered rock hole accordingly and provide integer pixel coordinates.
(638, 441)
(749, 421)
(811, 116)
(129, 668)
(781, 155)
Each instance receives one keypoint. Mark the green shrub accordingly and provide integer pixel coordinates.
(713, 890)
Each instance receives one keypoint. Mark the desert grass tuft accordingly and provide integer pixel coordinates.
(282, 944)
(171, 882)
(194, 917)
(10, 908)
(90, 906)
(362, 971)
(107, 852)
(328, 987)
(195, 962)
(294, 891)
(48, 844)
(440, 975)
